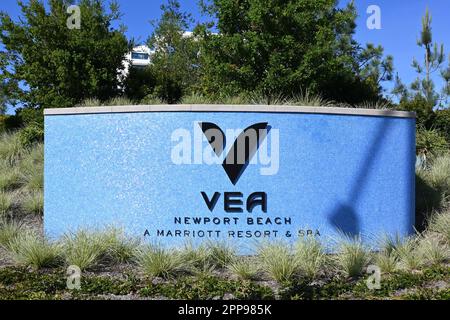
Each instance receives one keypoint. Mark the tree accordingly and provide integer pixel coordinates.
(175, 61)
(57, 66)
(424, 85)
(283, 47)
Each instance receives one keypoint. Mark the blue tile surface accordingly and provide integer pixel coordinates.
(337, 173)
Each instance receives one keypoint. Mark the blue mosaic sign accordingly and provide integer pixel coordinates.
(242, 174)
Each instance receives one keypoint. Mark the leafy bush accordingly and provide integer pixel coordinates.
(430, 142)
(155, 261)
(442, 122)
(30, 249)
(31, 134)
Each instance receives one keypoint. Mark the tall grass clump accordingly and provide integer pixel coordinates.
(433, 251)
(244, 268)
(116, 247)
(32, 250)
(408, 255)
(311, 256)
(379, 105)
(11, 148)
(220, 254)
(119, 101)
(151, 100)
(9, 230)
(82, 249)
(440, 224)
(439, 174)
(307, 98)
(6, 203)
(32, 168)
(33, 203)
(353, 256)
(278, 262)
(196, 98)
(10, 177)
(386, 258)
(197, 257)
(156, 261)
(90, 102)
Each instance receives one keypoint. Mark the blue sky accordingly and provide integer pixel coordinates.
(400, 25)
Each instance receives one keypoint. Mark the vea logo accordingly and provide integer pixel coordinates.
(233, 148)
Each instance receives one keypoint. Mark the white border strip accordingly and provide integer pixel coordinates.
(228, 108)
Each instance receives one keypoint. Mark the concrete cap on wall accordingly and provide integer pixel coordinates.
(229, 108)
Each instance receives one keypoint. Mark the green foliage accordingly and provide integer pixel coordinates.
(6, 203)
(277, 49)
(10, 178)
(442, 122)
(156, 261)
(174, 68)
(353, 257)
(9, 230)
(11, 148)
(32, 250)
(244, 268)
(139, 83)
(90, 102)
(82, 249)
(207, 288)
(440, 224)
(432, 250)
(409, 257)
(278, 262)
(311, 256)
(430, 142)
(220, 254)
(31, 134)
(33, 203)
(119, 101)
(62, 66)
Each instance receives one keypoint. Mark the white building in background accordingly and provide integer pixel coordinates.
(141, 56)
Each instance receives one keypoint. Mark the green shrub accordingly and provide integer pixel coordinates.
(244, 268)
(155, 261)
(353, 257)
(8, 231)
(30, 249)
(31, 134)
(442, 122)
(430, 142)
(33, 203)
(311, 256)
(278, 262)
(6, 203)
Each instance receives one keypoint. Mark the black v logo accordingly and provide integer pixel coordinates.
(243, 149)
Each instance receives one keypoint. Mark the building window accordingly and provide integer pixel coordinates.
(139, 56)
